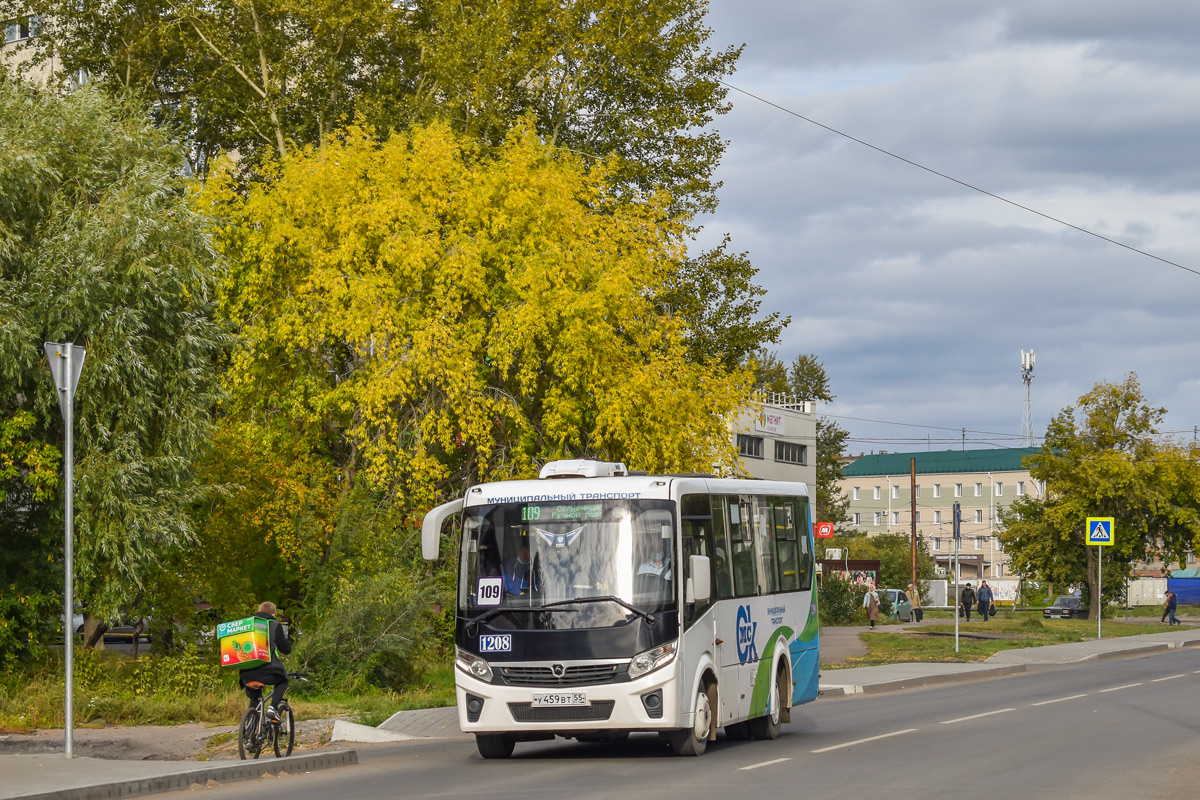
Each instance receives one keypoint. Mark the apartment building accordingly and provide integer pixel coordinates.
(879, 488)
(777, 439)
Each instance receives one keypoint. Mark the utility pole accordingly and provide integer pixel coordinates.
(912, 465)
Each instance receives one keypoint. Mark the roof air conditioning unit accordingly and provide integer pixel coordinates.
(833, 554)
(583, 468)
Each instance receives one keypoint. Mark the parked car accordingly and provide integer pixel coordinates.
(123, 631)
(902, 610)
(1065, 607)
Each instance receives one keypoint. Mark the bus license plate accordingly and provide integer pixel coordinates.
(550, 699)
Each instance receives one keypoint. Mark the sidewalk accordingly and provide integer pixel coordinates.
(54, 777)
(890, 677)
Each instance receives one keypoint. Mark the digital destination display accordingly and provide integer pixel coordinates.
(566, 512)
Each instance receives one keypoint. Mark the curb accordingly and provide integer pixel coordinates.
(1134, 651)
(185, 779)
(837, 690)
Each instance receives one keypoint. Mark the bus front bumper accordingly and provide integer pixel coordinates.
(649, 703)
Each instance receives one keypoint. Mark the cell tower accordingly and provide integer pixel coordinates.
(1027, 359)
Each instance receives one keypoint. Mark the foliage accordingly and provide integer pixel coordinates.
(837, 600)
(1103, 459)
(98, 246)
(236, 76)
(715, 295)
(613, 78)
(428, 317)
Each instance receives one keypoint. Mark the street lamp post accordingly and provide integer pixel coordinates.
(66, 362)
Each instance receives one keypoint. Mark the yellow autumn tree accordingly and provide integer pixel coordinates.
(424, 316)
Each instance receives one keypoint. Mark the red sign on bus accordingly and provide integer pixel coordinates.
(824, 530)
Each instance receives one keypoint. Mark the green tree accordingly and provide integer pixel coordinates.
(233, 75)
(633, 85)
(99, 246)
(603, 79)
(1105, 458)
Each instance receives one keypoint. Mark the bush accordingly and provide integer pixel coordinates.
(377, 632)
(836, 600)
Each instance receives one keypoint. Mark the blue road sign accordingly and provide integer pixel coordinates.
(1100, 530)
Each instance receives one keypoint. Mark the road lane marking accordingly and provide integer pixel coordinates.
(864, 741)
(1059, 700)
(976, 716)
(765, 764)
(1119, 688)
(1168, 678)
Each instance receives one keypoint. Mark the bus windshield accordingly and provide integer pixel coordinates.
(523, 562)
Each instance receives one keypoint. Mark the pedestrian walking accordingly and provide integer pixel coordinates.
(1172, 604)
(1167, 607)
(967, 600)
(985, 600)
(871, 604)
(914, 597)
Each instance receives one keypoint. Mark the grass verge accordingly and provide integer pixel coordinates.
(115, 689)
(1019, 629)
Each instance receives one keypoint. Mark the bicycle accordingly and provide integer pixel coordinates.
(256, 731)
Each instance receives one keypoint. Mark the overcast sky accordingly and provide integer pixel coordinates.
(918, 294)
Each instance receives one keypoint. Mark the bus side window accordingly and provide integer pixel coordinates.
(764, 540)
(745, 578)
(722, 580)
(804, 541)
(784, 513)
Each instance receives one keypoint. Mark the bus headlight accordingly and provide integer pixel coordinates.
(652, 659)
(473, 665)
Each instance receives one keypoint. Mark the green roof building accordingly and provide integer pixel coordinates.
(879, 487)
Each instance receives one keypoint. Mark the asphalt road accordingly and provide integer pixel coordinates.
(1105, 729)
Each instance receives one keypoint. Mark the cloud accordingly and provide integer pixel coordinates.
(917, 293)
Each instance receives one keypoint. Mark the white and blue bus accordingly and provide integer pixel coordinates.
(593, 603)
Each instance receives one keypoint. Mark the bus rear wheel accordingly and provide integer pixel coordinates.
(693, 741)
(769, 725)
(494, 745)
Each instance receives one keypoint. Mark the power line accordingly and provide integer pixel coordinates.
(915, 425)
(956, 180)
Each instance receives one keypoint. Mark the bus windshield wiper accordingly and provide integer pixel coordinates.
(606, 598)
(493, 612)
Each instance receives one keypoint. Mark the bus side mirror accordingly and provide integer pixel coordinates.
(431, 527)
(699, 585)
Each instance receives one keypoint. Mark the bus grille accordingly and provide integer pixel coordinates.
(598, 711)
(584, 675)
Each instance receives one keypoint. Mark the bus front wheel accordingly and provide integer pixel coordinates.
(494, 745)
(693, 741)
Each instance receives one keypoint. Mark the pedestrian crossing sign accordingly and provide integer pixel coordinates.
(1100, 530)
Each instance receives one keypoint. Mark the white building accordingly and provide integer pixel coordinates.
(777, 439)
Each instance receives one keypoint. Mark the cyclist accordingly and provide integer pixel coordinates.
(274, 672)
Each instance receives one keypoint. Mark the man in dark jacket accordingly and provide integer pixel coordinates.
(985, 600)
(273, 673)
(967, 599)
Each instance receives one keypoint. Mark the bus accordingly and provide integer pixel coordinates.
(593, 603)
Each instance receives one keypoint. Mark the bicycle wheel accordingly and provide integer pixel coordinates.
(284, 733)
(248, 735)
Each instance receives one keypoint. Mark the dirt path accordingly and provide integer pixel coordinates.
(191, 742)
